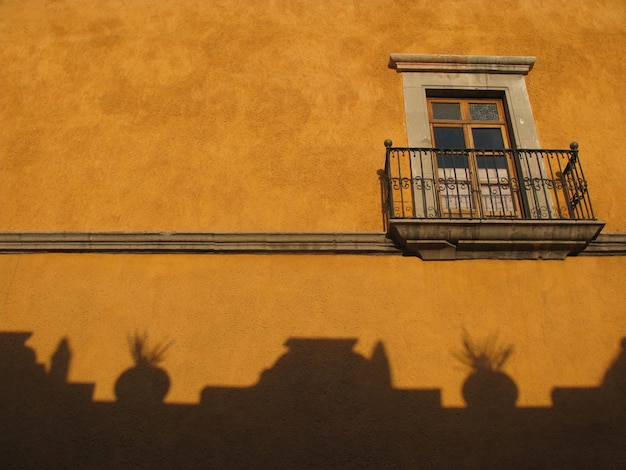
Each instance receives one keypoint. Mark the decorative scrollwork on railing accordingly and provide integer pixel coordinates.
(422, 184)
(514, 184)
(504, 182)
(541, 212)
(400, 183)
(532, 184)
(395, 184)
(577, 185)
(474, 183)
(432, 213)
(452, 184)
(556, 185)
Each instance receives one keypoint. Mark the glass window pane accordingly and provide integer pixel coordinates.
(445, 160)
(449, 137)
(446, 111)
(483, 111)
(491, 161)
(488, 138)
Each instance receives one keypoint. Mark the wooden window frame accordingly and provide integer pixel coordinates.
(475, 183)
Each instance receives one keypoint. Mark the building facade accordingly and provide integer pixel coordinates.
(254, 181)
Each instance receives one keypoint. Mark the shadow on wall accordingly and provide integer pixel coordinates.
(320, 406)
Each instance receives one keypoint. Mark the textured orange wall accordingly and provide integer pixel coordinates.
(266, 115)
(271, 115)
(230, 315)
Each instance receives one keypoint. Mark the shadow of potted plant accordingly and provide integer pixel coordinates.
(487, 386)
(145, 383)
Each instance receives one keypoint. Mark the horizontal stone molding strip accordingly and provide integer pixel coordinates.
(607, 244)
(198, 242)
(377, 243)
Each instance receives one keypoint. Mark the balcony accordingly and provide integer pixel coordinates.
(487, 203)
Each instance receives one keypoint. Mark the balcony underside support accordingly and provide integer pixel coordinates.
(450, 239)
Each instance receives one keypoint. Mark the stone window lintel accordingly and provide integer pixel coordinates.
(519, 65)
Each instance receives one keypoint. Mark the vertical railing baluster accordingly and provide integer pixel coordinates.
(455, 183)
(546, 178)
(424, 186)
(553, 162)
(529, 183)
(583, 203)
(522, 199)
(572, 164)
(390, 177)
(497, 189)
(420, 182)
(565, 168)
(513, 178)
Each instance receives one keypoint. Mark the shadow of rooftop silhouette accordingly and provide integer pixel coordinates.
(321, 405)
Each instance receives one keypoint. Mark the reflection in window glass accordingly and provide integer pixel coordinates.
(487, 138)
(447, 111)
(457, 160)
(491, 161)
(449, 137)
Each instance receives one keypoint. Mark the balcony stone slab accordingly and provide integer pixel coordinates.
(452, 239)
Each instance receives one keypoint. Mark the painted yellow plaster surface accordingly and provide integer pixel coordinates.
(267, 115)
(230, 315)
(271, 115)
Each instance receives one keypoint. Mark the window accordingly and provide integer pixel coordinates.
(474, 182)
(465, 75)
(426, 77)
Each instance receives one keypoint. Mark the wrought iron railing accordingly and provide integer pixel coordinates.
(485, 184)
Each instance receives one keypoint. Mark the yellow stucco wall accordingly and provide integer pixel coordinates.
(230, 315)
(271, 115)
(266, 115)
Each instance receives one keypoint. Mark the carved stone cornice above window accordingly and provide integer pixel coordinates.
(519, 65)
